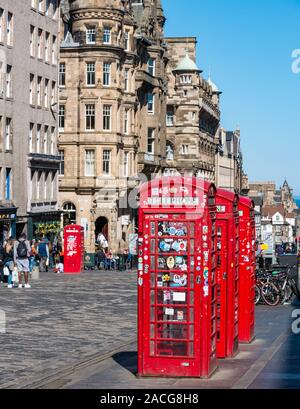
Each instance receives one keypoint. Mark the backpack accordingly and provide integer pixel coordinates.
(22, 250)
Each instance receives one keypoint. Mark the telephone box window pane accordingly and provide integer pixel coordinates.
(191, 330)
(191, 280)
(152, 315)
(213, 292)
(152, 331)
(213, 309)
(174, 263)
(192, 246)
(172, 314)
(219, 245)
(152, 229)
(152, 263)
(168, 297)
(169, 331)
(152, 297)
(213, 326)
(177, 229)
(191, 315)
(192, 263)
(152, 348)
(214, 344)
(153, 279)
(191, 349)
(171, 348)
(152, 246)
(172, 280)
(172, 245)
(214, 261)
(192, 229)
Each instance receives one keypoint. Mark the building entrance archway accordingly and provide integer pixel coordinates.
(101, 226)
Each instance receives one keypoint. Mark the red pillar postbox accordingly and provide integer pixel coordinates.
(227, 272)
(247, 271)
(176, 279)
(73, 249)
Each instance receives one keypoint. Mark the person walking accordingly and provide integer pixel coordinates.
(1, 263)
(21, 259)
(33, 254)
(9, 261)
(43, 252)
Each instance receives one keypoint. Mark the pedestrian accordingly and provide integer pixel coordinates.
(100, 259)
(9, 261)
(43, 252)
(102, 241)
(33, 254)
(21, 259)
(1, 263)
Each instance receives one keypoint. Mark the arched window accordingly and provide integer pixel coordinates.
(69, 213)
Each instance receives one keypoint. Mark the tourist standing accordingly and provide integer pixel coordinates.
(43, 252)
(102, 241)
(21, 258)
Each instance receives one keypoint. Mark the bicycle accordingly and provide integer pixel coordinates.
(266, 289)
(287, 283)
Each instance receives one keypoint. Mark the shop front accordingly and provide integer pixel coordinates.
(8, 218)
(46, 224)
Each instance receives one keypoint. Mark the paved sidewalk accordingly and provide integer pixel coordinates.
(247, 370)
(63, 320)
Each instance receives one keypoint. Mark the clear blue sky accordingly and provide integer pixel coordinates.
(248, 46)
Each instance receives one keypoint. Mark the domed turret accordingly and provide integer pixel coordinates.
(187, 65)
(214, 88)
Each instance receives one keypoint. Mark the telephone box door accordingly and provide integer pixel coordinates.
(222, 286)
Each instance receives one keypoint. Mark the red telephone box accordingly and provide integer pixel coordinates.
(73, 249)
(247, 270)
(227, 272)
(176, 278)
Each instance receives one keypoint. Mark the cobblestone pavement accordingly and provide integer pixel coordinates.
(62, 320)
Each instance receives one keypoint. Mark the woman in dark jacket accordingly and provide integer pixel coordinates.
(9, 260)
(1, 263)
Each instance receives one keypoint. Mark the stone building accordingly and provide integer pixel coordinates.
(272, 196)
(229, 166)
(287, 198)
(267, 190)
(193, 114)
(112, 111)
(28, 123)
